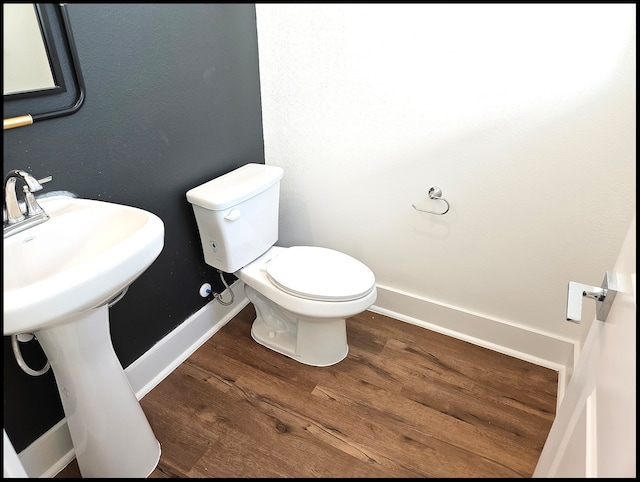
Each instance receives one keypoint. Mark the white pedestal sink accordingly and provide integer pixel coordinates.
(58, 278)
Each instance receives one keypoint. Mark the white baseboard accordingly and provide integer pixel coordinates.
(165, 356)
(51, 452)
(536, 347)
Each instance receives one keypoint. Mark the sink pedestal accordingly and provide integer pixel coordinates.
(110, 432)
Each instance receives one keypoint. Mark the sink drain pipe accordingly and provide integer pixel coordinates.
(21, 363)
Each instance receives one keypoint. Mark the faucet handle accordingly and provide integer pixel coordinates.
(33, 207)
(32, 182)
(36, 184)
(30, 201)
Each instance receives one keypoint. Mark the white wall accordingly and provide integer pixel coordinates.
(523, 114)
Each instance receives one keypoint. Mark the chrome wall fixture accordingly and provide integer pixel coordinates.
(435, 193)
(604, 297)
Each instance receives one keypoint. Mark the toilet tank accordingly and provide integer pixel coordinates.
(237, 215)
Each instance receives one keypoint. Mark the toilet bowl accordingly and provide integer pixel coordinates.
(302, 294)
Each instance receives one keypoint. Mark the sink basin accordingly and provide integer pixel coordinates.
(83, 256)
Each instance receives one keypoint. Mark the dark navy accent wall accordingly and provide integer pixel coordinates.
(173, 100)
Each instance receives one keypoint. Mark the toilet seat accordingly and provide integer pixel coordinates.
(322, 274)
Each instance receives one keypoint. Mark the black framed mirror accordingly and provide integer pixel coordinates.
(42, 76)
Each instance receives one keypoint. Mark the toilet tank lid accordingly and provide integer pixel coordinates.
(235, 186)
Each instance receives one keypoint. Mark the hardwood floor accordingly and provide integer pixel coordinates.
(406, 402)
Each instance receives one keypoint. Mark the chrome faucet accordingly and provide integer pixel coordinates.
(17, 217)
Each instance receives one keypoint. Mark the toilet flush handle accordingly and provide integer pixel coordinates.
(233, 215)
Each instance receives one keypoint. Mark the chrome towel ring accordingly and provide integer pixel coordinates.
(435, 193)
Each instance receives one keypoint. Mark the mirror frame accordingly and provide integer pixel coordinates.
(26, 108)
(48, 42)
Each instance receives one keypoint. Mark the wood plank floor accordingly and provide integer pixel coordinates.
(406, 402)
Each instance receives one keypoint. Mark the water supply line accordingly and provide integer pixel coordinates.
(217, 295)
(21, 363)
(30, 336)
(118, 297)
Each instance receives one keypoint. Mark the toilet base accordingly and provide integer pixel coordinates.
(312, 341)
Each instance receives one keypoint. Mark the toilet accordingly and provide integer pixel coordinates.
(302, 294)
